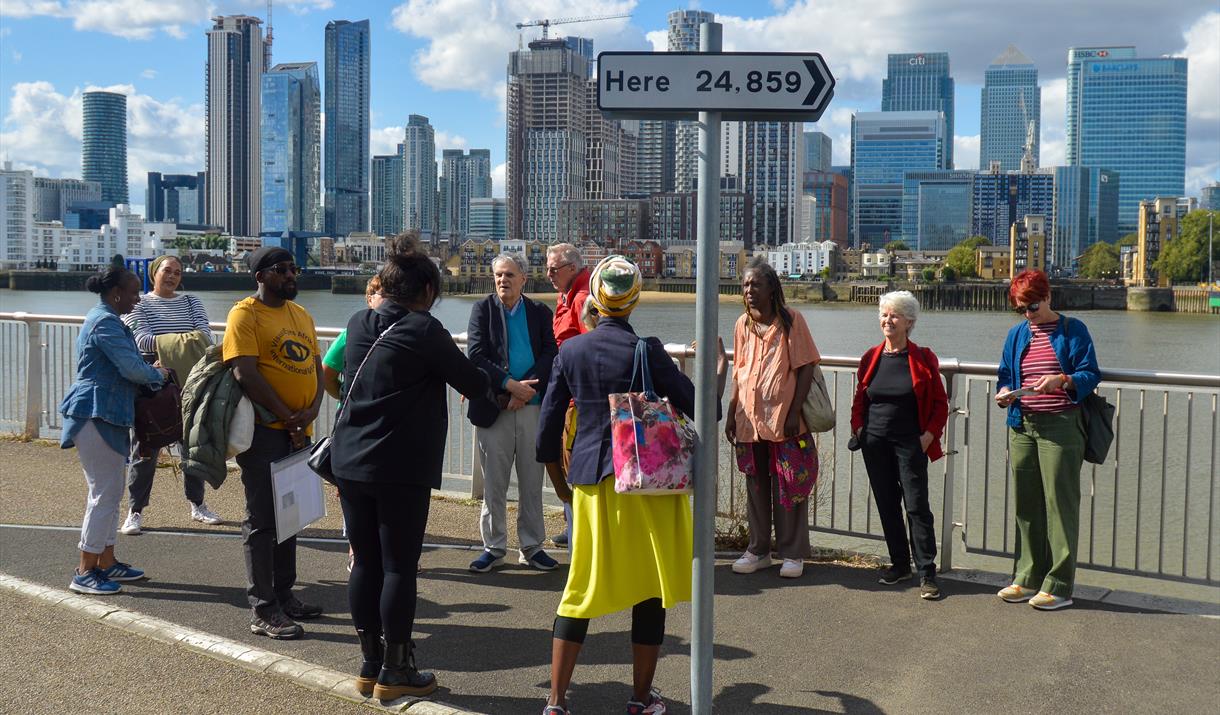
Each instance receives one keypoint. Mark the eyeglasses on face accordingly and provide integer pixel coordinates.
(552, 270)
(285, 268)
(1031, 308)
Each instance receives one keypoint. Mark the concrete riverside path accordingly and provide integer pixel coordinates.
(834, 641)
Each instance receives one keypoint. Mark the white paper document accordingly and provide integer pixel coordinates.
(297, 491)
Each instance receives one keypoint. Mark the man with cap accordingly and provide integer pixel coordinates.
(272, 347)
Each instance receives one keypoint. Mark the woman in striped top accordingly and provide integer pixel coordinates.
(161, 312)
(1046, 370)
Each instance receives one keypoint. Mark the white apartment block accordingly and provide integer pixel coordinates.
(17, 204)
(802, 259)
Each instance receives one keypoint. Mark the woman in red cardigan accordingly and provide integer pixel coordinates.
(897, 418)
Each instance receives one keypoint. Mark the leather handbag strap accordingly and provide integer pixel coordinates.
(347, 397)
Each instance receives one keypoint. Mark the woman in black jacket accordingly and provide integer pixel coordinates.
(386, 453)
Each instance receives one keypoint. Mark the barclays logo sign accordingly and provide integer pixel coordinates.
(1125, 67)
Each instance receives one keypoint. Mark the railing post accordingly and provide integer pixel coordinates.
(33, 378)
(947, 517)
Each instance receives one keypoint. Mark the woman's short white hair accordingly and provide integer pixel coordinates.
(902, 301)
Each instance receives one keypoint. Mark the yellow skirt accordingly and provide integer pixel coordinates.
(625, 549)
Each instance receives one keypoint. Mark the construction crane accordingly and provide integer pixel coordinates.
(1028, 165)
(267, 42)
(546, 24)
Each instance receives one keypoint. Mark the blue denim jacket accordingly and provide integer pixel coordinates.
(109, 371)
(1073, 347)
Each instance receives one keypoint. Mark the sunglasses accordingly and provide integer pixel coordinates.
(552, 270)
(1031, 308)
(285, 268)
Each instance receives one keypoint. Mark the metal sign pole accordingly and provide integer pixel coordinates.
(706, 313)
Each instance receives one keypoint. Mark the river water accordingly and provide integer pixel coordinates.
(1167, 342)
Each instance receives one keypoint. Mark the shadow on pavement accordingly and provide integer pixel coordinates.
(742, 697)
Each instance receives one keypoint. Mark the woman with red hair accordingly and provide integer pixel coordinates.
(1046, 370)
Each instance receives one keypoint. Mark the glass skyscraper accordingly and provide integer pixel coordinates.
(817, 151)
(291, 148)
(1131, 118)
(936, 208)
(347, 126)
(1086, 212)
(464, 177)
(1002, 199)
(419, 175)
(1076, 56)
(104, 146)
(387, 194)
(236, 52)
(886, 145)
(919, 82)
(1010, 100)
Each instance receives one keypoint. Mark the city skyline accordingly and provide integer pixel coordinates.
(38, 99)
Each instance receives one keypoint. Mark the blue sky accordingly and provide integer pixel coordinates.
(445, 59)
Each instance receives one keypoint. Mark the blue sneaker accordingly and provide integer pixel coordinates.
(540, 560)
(95, 583)
(120, 571)
(486, 562)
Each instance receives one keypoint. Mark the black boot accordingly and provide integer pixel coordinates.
(374, 655)
(399, 675)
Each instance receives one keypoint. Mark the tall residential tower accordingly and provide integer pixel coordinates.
(347, 126)
(104, 146)
(291, 148)
(419, 175)
(684, 37)
(234, 88)
(464, 176)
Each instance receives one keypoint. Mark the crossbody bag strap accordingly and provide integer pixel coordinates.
(343, 405)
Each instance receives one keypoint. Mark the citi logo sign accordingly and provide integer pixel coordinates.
(917, 60)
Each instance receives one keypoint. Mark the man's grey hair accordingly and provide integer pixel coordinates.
(567, 253)
(903, 302)
(516, 258)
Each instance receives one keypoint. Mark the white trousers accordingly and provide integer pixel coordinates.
(510, 441)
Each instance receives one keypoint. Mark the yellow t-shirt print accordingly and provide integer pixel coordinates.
(285, 343)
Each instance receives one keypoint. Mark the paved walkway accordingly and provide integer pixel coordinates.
(834, 641)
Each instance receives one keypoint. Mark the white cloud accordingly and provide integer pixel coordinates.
(1052, 145)
(497, 180)
(149, 74)
(42, 131)
(385, 140)
(468, 41)
(141, 19)
(17, 56)
(445, 140)
(966, 152)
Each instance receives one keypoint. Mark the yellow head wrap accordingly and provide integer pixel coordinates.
(614, 286)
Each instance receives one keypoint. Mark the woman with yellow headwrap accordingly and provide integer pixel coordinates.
(628, 550)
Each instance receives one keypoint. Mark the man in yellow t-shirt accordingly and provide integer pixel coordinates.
(272, 347)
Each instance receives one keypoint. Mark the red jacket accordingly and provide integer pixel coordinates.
(929, 392)
(567, 309)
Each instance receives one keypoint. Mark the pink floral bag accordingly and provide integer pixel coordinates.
(653, 443)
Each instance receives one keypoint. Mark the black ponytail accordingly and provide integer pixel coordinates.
(106, 280)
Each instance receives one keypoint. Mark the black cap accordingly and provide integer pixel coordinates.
(266, 257)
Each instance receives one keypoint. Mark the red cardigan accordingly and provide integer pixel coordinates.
(929, 392)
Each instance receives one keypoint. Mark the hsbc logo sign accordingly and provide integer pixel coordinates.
(1088, 54)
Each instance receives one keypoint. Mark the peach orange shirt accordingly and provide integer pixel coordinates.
(764, 367)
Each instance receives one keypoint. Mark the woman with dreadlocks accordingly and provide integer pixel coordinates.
(774, 356)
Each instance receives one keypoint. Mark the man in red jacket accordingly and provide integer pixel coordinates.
(566, 269)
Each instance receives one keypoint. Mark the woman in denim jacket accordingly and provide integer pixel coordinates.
(98, 413)
(1051, 358)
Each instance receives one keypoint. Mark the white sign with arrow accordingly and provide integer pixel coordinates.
(787, 86)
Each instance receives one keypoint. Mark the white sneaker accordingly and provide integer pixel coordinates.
(749, 563)
(204, 514)
(131, 526)
(792, 568)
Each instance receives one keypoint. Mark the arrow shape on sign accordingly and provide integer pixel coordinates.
(821, 81)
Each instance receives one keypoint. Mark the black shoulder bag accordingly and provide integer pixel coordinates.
(319, 453)
(1098, 416)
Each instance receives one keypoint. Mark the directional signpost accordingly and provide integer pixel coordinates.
(710, 86)
(775, 86)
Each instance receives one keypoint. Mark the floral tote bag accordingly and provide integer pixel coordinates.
(653, 444)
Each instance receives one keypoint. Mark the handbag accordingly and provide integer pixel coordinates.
(1098, 416)
(818, 409)
(319, 454)
(158, 416)
(653, 444)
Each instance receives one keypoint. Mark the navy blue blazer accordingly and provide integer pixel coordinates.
(591, 367)
(487, 347)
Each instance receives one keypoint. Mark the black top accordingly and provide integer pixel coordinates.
(591, 367)
(487, 346)
(892, 410)
(395, 417)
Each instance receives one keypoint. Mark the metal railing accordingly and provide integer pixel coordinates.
(1149, 510)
